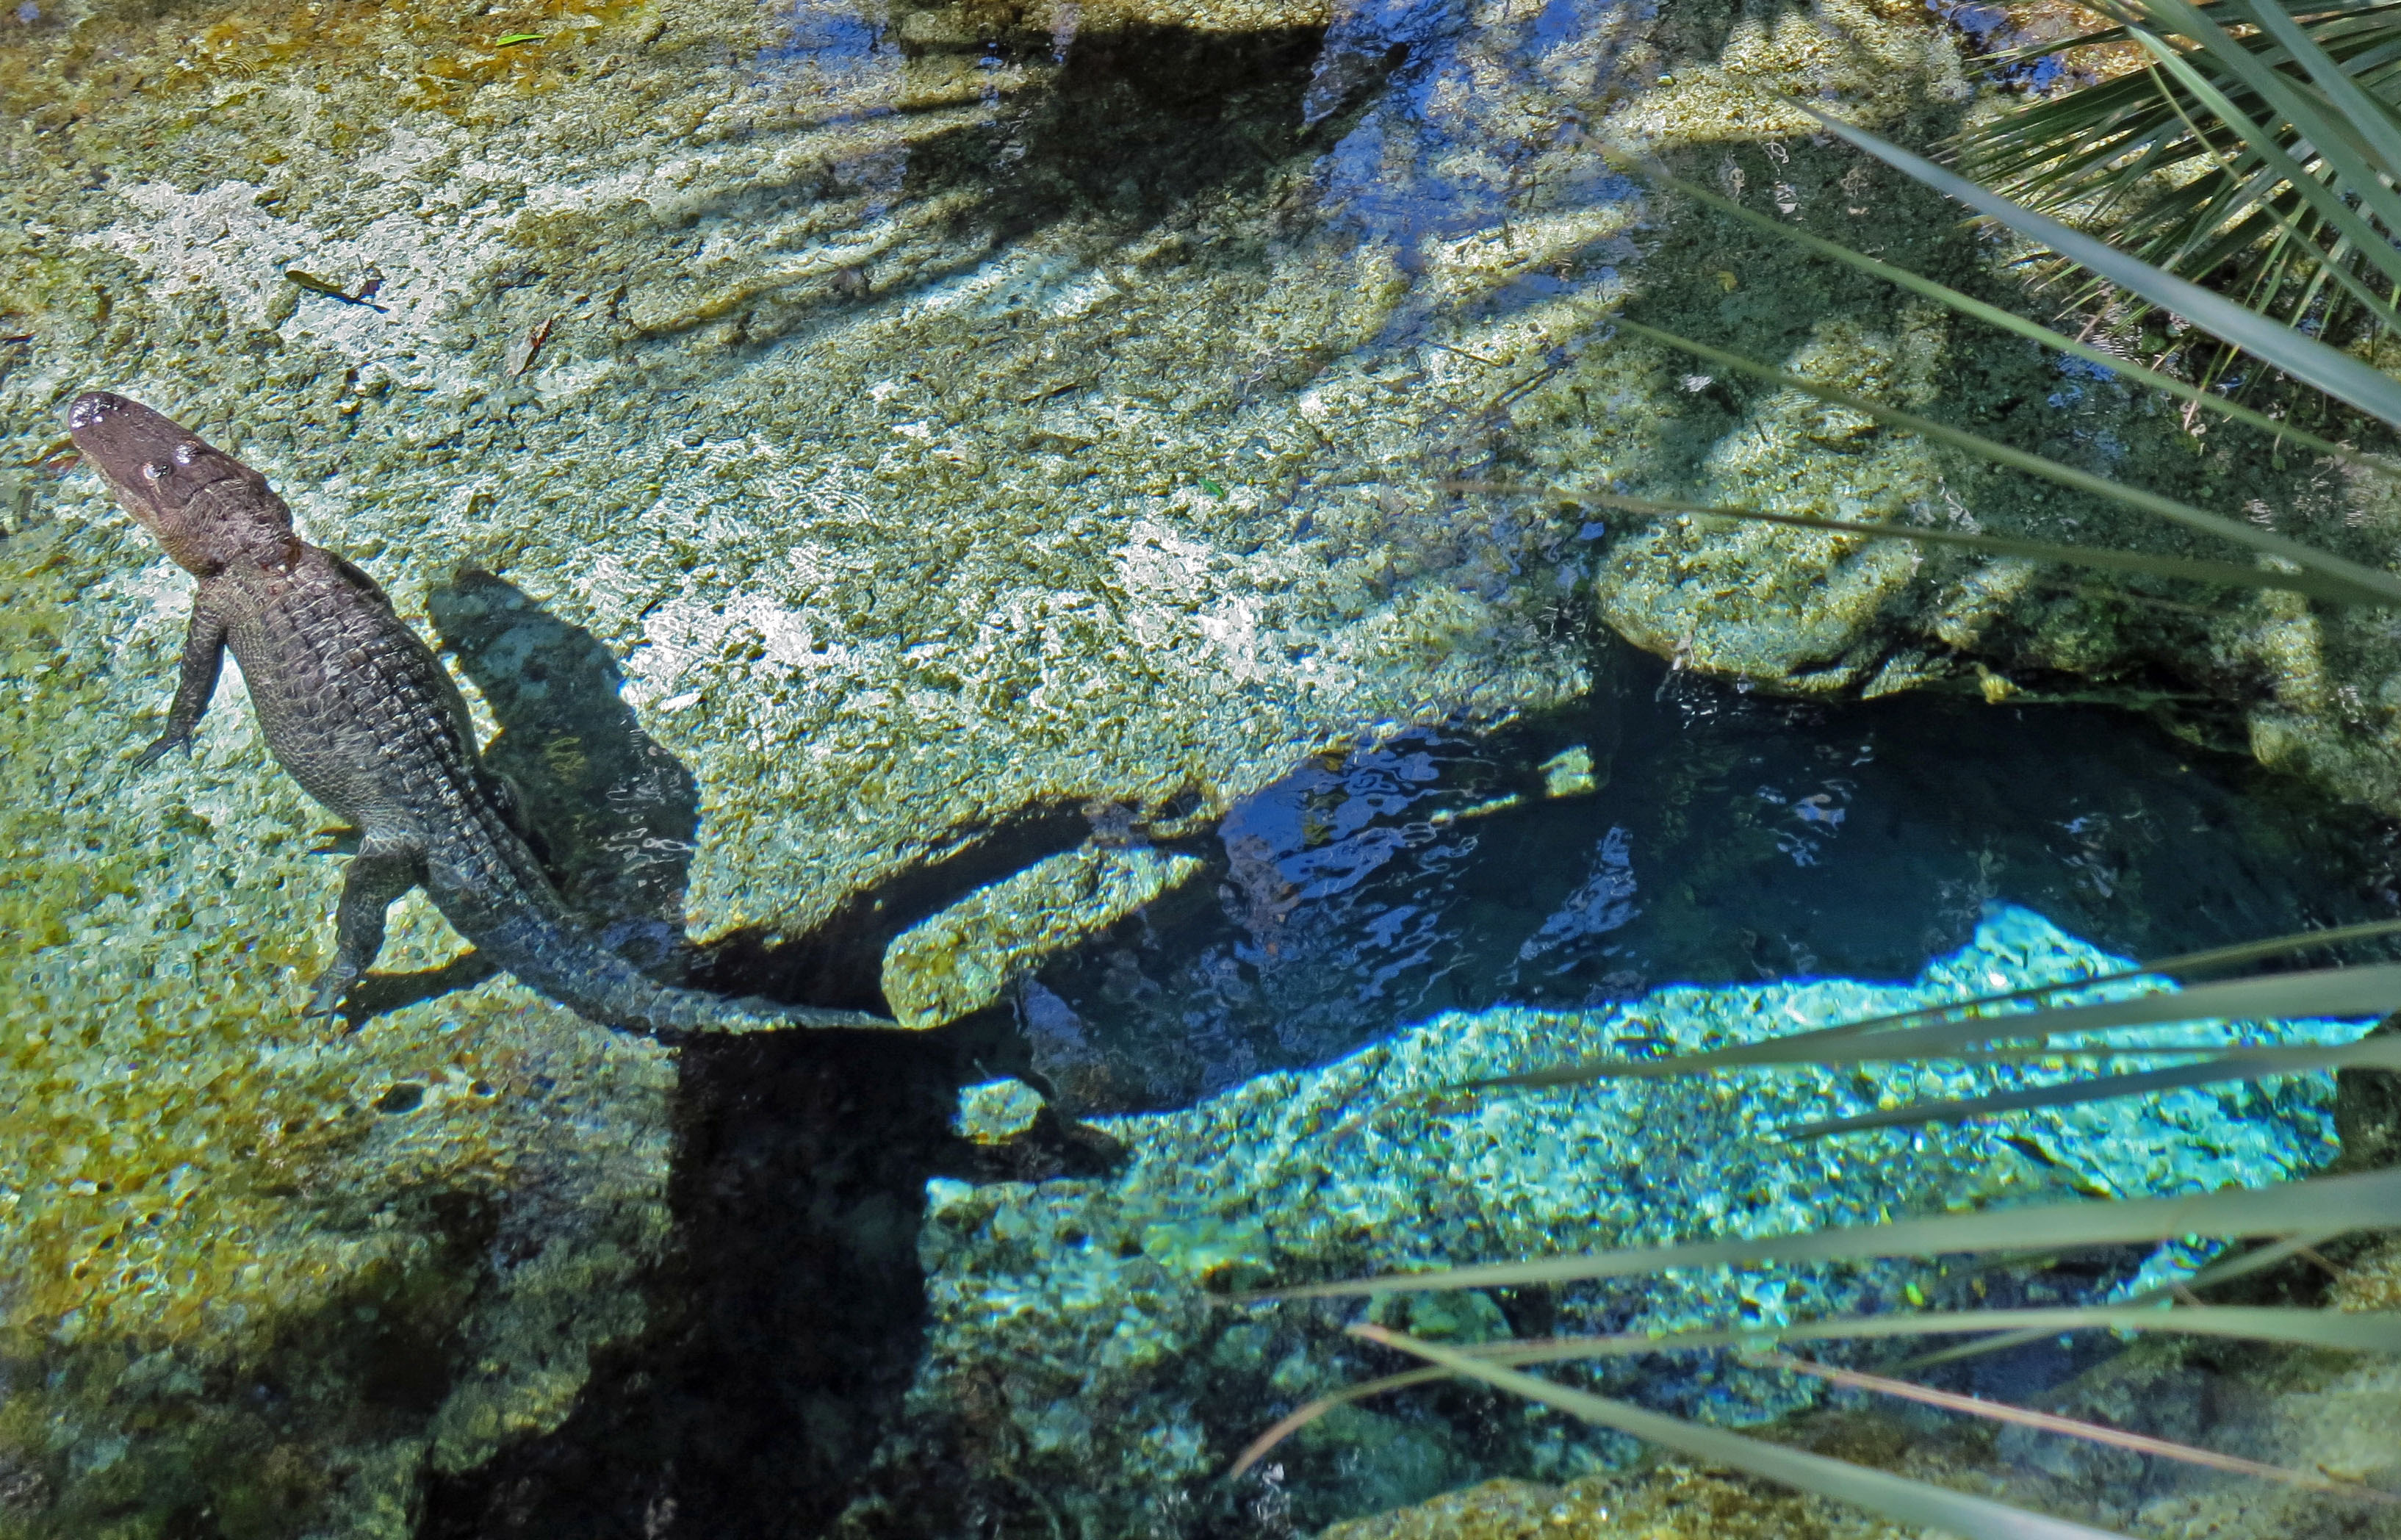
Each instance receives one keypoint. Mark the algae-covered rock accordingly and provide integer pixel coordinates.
(885, 424)
(2311, 1416)
(960, 960)
(1672, 1501)
(996, 1111)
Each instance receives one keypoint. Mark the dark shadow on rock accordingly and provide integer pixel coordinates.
(380, 994)
(839, 960)
(1136, 123)
(1131, 128)
(265, 1445)
(614, 818)
(786, 1319)
(784, 1323)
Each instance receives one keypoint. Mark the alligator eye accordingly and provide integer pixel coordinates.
(187, 451)
(153, 471)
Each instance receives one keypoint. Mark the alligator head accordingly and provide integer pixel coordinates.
(207, 509)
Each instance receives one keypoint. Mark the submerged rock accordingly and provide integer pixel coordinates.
(1081, 1342)
(2156, 1387)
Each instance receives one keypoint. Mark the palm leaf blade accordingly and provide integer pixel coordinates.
(1893, 1496)
(2366, 1201)
(2303, 357)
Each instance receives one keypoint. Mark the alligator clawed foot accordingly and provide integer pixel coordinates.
(159, 750)
(325, 995)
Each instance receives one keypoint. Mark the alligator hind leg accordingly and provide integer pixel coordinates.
(382, 871)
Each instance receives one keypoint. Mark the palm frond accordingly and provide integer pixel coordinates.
(1992, 315)
(2303, 357)
(2365, 1201)
(2364, 585)
(2258, 149)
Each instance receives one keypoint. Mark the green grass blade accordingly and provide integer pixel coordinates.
(1992, 315)
(2247, 1064)
(1897, 1497)
(2182, 965)
(2365, 1201)
(2335, 992)
(2223, 574)
(2304, 358)
(2369, 585)
(2225, 1270)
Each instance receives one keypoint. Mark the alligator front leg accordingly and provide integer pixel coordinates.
(204, 646)
(382, 871)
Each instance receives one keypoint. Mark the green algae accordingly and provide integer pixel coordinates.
(1209, 1248)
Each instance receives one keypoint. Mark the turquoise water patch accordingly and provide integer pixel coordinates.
(1098, 1292)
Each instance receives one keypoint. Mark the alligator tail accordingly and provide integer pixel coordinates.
(571, 966)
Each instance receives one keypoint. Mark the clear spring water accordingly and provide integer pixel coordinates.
(863, 460)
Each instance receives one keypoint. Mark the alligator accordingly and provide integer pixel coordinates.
(357, 708)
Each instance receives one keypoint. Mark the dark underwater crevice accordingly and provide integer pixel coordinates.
(1718, 837)
(786, 1322)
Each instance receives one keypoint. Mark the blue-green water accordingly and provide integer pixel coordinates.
(955, 509)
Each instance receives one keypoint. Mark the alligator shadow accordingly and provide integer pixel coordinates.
(616, 817)
(788, 1317)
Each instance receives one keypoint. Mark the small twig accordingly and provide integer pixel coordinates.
(1258, 1447)
(1049, 391)
(2001, 1412)
(2311, 1254)
(533, 342)
(1523, 388)
(56, 447)
(1487, 363)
